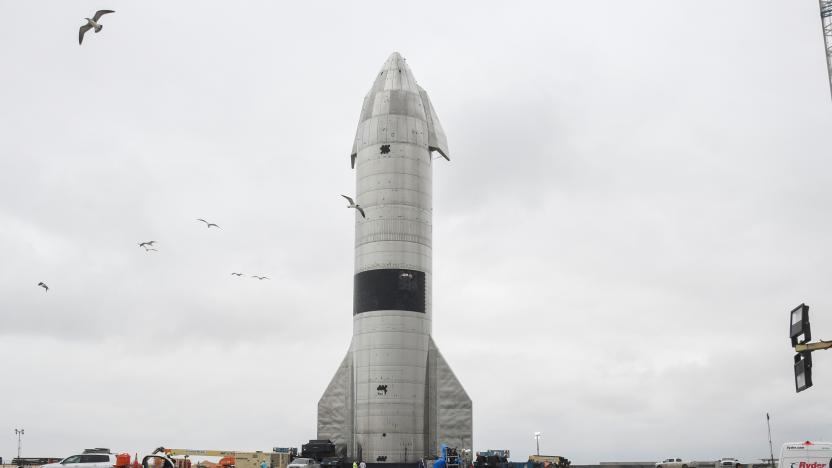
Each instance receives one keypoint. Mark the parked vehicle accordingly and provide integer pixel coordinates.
(672, 463)
(728, 462)
(86, 460)
(302, 463)
(331, 462)
(806, 455)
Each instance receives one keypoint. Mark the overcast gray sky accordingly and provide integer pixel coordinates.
(638, 194)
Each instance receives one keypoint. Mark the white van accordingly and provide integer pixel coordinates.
(806, 455)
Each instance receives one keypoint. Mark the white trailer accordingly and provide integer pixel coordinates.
(806, 455)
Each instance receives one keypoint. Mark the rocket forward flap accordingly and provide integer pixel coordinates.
(335, 407)
(436, 134)
(368, 103)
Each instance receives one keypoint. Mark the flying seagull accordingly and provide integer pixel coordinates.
(148, 243)
(148, 249)
(208, 225)
(44, 286)
(353, 205)
(92, 23)
(237, 274)
(261, 278)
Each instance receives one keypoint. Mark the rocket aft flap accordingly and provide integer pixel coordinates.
(394, 398)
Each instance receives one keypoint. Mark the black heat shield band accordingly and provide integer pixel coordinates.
(389, 289)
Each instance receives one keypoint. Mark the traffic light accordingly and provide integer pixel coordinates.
(802, 371)
(799, 319)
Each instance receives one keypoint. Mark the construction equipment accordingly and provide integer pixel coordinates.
(451, 456)
(491, 458)
(158, 459)
(318, 449)
(231, 459)
(550, 461)
(226, 458)
(199, 453)
(499, 459)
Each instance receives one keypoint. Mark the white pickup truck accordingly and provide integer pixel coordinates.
(728, 462)
(673, 463)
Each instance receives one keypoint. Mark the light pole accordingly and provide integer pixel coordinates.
(19, 433)
(800, 332)
(537, 440)
(770, 449)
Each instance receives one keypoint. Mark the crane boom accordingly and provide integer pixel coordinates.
(826, 21)
(204, 453)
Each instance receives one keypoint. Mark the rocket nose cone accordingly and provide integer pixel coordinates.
(395, 74)
(394, 61)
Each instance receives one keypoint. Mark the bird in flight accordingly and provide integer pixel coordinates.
(237, 274)
(92, 23)
(208, 225)
(146, 244)
(148, 249)
(353, 205)
(44, 286)
(261, 278)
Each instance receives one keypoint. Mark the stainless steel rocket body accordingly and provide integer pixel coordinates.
(393, 243)
(382, 404)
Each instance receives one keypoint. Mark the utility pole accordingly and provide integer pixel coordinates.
(770, 449)
(826, 22)
(19, 433)
(537, 439)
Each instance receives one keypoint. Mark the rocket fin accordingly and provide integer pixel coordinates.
(436, 134)
(448, 407)
(335, 408)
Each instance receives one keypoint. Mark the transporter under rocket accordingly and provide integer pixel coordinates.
(394, 399)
